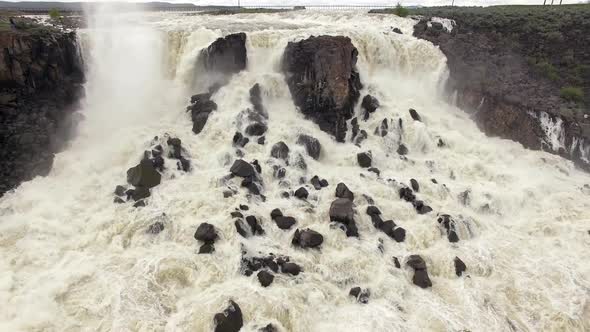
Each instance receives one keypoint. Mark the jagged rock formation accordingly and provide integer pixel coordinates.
(224, 57)
(512, 74)
(41, 73)
(323, 80)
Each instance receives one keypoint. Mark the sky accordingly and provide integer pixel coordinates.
(353, 2)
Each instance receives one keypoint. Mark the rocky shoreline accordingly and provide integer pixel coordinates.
(522, 70)
(41, 76)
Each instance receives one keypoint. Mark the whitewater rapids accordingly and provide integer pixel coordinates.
(71, 260)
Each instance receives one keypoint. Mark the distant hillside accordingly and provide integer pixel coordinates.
(78, 6)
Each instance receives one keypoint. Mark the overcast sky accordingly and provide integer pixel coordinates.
(355, 2)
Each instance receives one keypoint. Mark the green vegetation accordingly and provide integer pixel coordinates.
(54, 14)
(547, 69)
(572, 93)
(400, 10)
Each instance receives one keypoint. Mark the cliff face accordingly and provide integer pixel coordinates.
(524, 71)
(40, 82)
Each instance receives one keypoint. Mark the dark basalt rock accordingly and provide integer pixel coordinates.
(261, 140)
(224, 57)
(421, 278)
(383, 128)
(341, 211)
(291, 268)
(230, 320)
(324, 183)
(236, 214)
(407, 194)
(415, 185)
(448, 223)
(301, 193)
(361, 295)
(275, 213)
(206, 233)
(239, 139)
(144, 175)
(156, 228)
(118, 200)
(120, 191)
(244, 207)
(242, 169)
(323, 80)
(460, 267)
(414, 114)
(370, 105)
(207, 248)
(355, 128)
(307, 238)
(396, 263)
(364, 159)
(268, 328)
(342, 191)
(285, 222)
(373, 210)
(374, 170)
(200, 108)
(265, 278)
(280, 151)
(421, 208)
(256, 129)
(315, 182)
(397, 30)
(140, 203)
(402, 150)
(361, 137)
(140, 193)
(41, 75)
(311, 144)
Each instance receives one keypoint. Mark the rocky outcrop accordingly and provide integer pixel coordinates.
(41, 76)
(225, 56)
(510, 70)
(322, 77)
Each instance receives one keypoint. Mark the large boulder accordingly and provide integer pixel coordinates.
(421, 278)
(307, 238)
(341, 211)
(230, 320)
(243, 169)
(144, 175)
(322, 77)
(311, 144)
(224, 57)
(200, 108)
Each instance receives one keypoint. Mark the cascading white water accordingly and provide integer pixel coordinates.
(72, 260)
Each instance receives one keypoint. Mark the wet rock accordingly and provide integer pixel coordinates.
(373, 210)
(377, 221)
(285, 194)
(244, 207)
(397, 30)
(421, 208)
(120, 191)
(265, 278)
(460, 267)
(323, 80)
(242, 228)
(315, 182)
(370, 105)
(275, 213)
(311, 144)
(324, 183)
(291, 268)
(399, 234)
(261, 140)
(227, 193)
(355, 128)
(407, 194)
(156, 228)
(387, 227)
(118, 200)
(140, 193)
(140, 203)
(452, 236)
(402, 150)
(414, 114)
(362, 136)
(280, 151)
(341, 211)
(144, 175)
(224, 57)
(307, 238)
(382, 129)
(158, 163)
(364, 159)
(421, 278)
(200, 108)
(236, 214)
(448, 224)
(268, 328)
(207, 248)
(300, 162)
(230, 320)
(415, 185)
(256, 129)
(374, 170)
(206, 233)
(396, 263)
(284, 222)
(252, 187)
(361, 295)
(239, 139)
(175, 145)
(301, 193)
(255, 227)
(342, 191)
(183, 164)
(279, 172)
(242, 169)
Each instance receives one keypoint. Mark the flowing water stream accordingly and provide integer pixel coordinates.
(71, 260)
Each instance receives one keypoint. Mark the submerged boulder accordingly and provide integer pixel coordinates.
(311, 144)
(200, 108)
(324, 82)
(280, 150)
(370, 105)
(307, 238)
(242, 169)
(421, 278)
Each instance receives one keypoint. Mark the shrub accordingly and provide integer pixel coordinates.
(400, 10)
(54, 14)
(548, 70)
(572, 93)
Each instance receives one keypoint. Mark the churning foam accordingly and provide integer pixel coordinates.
(72, 260)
